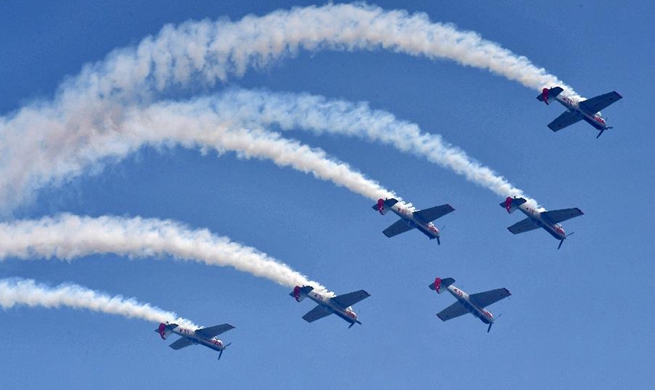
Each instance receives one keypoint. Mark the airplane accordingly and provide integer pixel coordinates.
(202, 336)
(473, 304)
(587, 110)
(410, 218)
(339, 305)
(547, 220)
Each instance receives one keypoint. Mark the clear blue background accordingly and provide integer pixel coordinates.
(580, 317)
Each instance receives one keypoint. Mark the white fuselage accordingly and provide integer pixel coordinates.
(407, 214)
(593, 118)
(213, 343)
(484, 315)
(346, 313)
(556, 230)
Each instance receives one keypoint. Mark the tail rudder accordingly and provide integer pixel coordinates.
(300, 293)
(548, 94)
(381, 209)
(383, 205)
(440, 284)
(164, 330)
(510, 204)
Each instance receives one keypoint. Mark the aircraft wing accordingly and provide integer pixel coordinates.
(429, 215)
(316, 313)
(181, 343)
(213, 331)
(452, 311)
(598, 103)
(557, 216)
(350, 299)
(397, 228)
(486, 298)
(566, 119)
(523, 226)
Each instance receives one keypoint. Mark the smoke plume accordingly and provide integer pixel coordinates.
(69, 237)
(17, 292)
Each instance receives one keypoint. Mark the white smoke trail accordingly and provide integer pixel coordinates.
(16, 291)
(196, 124)
(193, 53)
(67, 150)
(320, 115)
(208, 51)
(68, 237)
(221, 122)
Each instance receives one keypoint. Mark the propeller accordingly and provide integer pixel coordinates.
(562, 240)
(221, 353)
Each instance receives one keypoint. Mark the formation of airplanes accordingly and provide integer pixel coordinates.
(587, 110)
(422, 220)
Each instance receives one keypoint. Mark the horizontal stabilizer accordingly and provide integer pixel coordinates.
(429, 215)
(445, 282)
(549, 94)
(301, 291)
(511, 204)
(350, 299)
(387, 203)
(214, 331)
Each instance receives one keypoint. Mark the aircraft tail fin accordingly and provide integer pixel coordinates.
(440, 285)
(383, 205)
(510, 204)
(300, 293)
(165, 330)
(547, 94)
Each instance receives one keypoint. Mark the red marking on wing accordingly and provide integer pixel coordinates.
(380, 206)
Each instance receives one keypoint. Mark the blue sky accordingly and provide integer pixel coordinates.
(578, 317)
